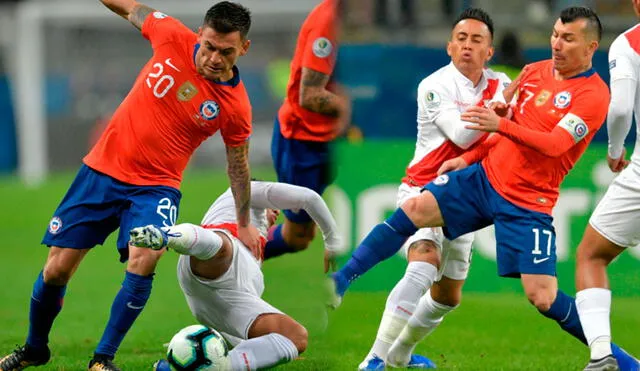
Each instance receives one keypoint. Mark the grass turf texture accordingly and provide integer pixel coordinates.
(488, 332)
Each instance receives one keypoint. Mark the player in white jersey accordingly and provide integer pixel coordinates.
(435, 261)
(222, 280)
(615, 223)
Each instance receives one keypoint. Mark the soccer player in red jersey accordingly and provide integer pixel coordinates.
(313, 113)
(511, 180)
(189, 89)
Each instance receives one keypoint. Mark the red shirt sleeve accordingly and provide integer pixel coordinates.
(160, 29)
(238, 129)
(320, 51)
(481, 150)
(586, 116)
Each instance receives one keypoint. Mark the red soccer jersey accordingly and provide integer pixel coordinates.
(563, 116)
(169, 111)
(316, 49)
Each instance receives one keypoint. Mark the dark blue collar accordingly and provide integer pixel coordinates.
(235, 80)
(586, 73)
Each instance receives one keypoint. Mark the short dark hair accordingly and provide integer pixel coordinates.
(477, 14)
(574, 13)
(227, 17)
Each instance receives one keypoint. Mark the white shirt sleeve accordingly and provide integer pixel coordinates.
(624, 83)
(437, 105)
(280, 196)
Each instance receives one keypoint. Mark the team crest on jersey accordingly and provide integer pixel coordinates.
(441, 180)
(543, 97)
(433, 99)
(322, 47)
(159, 15)
(55, 225)
(186, 92)
(562, 99)
(209, 110)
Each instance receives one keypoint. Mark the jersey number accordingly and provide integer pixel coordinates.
(536, 248)
(162, 82)
(167, 211)
(528, 95)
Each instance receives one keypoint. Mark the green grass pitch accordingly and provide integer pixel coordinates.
(488, 332)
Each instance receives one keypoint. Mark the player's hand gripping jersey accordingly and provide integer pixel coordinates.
(442, 97)
(169, 111)
(316, 49)
(553, 123)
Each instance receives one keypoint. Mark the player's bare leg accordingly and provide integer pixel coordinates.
(46, 303)
(127, 305)
(386, 239)
(593, 297)
(443, 297)
(289, 237)
(424, 260)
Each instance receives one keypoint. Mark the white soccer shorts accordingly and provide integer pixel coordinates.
(617, 216)
(232, 302)
(455, 255)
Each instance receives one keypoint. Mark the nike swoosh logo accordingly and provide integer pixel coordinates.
(168, 63)
(538, 261)
(130, 305)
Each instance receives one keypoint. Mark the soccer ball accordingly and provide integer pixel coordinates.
(199, 348)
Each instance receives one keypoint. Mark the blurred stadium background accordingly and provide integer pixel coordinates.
(65, 66)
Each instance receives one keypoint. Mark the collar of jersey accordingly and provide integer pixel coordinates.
(235, 80)
(481, 84)
(586, 73)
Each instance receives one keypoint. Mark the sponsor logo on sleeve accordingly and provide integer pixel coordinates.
(159, 15)
(575, 126)
(209, 110)
(562, 99)
(322, 47)
(433, 99)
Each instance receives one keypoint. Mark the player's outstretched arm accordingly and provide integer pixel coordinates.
(240, 182)
(130, 10)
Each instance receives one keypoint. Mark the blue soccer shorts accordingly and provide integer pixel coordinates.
(96, 205)
(302, 163)
(525, 239)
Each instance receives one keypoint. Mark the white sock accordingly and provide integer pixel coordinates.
(190, 239)
(262, 352)
(427, 316)
(594, 306)
(401, 304)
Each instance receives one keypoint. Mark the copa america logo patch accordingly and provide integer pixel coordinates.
(159, 15)
(55, 225)
(441, 180)
(322, 47)
(562, 99)
(209, 110)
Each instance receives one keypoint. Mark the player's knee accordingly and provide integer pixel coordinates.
(421, 211)
(424, 251)
(541, 299)
(300, 337)
(299, 236)
(56, 274)
(143, 261)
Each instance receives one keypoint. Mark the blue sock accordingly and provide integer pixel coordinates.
(126, 307)
(380, 244)
(563, 310)
(276, 244)
(46, 303)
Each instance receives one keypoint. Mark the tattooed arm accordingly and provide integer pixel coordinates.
(130, 10)
(240, 182)
(315, 97)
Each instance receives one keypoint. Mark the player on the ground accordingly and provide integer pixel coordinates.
(221, 278)
(442, 97)
(189, 89)
(615, 223)
(313, 113)
(561, 104)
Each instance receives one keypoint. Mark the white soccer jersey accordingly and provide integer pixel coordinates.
(278, 196)
(624, 62)
(442, 97)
